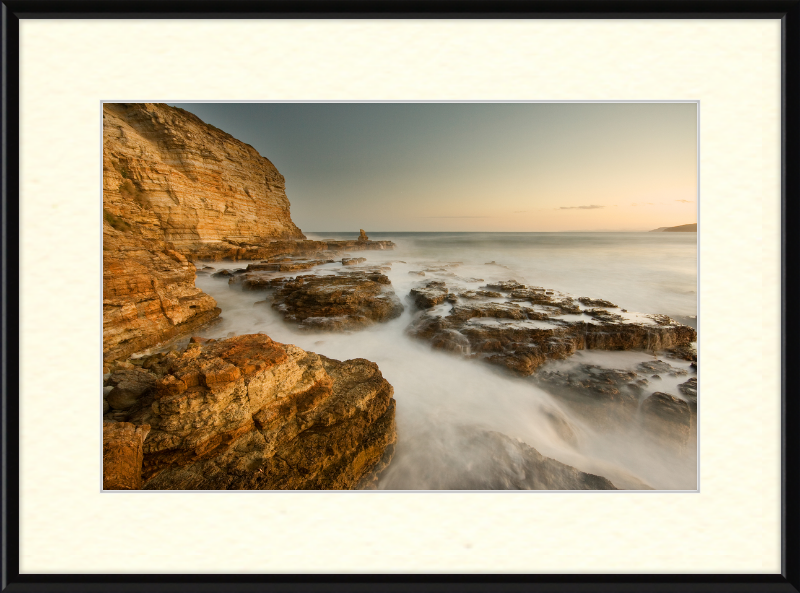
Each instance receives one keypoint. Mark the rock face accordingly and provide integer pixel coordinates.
(173, 178)
(122, 455)
(250, 413)
(534, 325)
(148, 294)
(346, 301)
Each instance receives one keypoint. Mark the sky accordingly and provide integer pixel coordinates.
(514, 167)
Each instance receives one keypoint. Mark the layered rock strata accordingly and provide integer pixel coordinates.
(174, 178)
(349, 300)
(534, 325)
(122, 455)
(148, 294)
(250, 413)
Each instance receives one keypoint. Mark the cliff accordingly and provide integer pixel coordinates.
(148, 293)
(171, 177)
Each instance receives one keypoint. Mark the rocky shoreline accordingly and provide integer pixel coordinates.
(248, 412)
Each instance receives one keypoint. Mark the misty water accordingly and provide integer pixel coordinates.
(439, 393)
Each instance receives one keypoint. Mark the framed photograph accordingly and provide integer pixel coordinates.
(465, 262)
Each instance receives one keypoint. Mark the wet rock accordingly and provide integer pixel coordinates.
(362, 237)
(595, 302)
(521, 338)
(689, 391)
(661, 367)
(689, 388)
(250, 413)
(473, 458)
(222, 274)
(122, 455)
(561, 426)
(417, 273)
(605, 397)
(479, 294)
(288, 265)
(506, 285)
(667, 418)
(352, 261)
(430, 295)
(683, 352)
(350, 300)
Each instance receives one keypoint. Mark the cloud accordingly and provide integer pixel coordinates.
(685, 201)
(592, 207)
(457, 217)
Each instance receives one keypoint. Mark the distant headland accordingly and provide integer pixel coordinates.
(683, 228)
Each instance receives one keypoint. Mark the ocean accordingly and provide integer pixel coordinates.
(440, 393)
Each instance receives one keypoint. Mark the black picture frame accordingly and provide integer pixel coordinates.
(15, 10)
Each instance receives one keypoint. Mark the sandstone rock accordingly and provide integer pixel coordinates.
(521, 338)
(122, 455)
(362, 236)
(289, 265)
(506, 285)
(336, 303)
(479, 459)
(479, 294)
(352, 261)
(662, 368)
(595, 302)
(430, 295)
(149, 294)
(250, 413)
(683, 352)
(174, 178)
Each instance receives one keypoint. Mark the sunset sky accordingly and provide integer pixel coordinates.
(475, 166)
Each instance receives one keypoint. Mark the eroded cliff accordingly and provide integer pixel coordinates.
(148, 294)
(174, 178)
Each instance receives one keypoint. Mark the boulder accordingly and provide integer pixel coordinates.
(430, 295)
(349, 300)
(251, 413)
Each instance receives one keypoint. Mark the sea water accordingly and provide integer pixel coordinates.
(438, 392)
